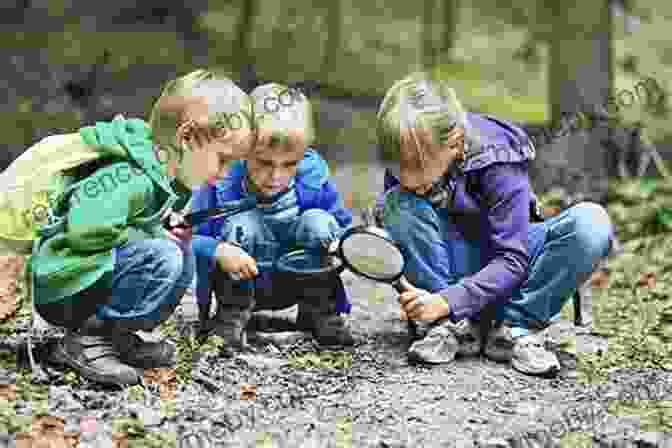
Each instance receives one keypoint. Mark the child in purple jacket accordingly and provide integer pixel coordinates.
(286, 201)
(459, 206)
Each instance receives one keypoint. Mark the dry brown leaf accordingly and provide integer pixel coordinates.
(248, 391)
(599, 279)
(47, 431)
(119, 440)
(166, 379)
(647, 280)
(8, 392)
(10, 268)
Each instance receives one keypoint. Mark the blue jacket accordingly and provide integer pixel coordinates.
(313, 188)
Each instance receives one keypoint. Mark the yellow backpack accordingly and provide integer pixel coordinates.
(31, 184)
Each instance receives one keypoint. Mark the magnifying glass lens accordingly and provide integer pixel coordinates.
(373, 256)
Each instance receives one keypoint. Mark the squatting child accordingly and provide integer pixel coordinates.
(286, 201)
(459, 206)
(113, 269)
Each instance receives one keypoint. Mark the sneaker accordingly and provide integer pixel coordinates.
(531, 357)
(445, 339)
(499, 344)
(468, 334)
(439, 346)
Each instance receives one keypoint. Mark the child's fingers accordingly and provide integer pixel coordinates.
(406, 296)
(412, 308)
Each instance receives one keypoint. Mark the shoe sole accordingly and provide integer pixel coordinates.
(548, 373)
(60, 356)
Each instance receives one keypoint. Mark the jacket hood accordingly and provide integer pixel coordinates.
(127, 139)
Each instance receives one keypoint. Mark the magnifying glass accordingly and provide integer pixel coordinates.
(369, 252)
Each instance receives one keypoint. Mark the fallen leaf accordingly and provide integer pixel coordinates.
(166, 378)
(8, 392)
(248, 391)
(47, 431)
(119, 440)
(599, 279)
(10, 267)
(647, 280)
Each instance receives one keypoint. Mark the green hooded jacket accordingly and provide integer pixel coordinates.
(122, 201)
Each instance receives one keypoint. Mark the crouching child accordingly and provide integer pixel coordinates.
(459, 205)
(285, 201)
(113, 269)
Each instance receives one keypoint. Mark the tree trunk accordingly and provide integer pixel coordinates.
(580, 79)
(333, 43)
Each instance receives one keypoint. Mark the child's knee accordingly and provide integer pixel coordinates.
(168, 256)
(316, 225)
(593, 227)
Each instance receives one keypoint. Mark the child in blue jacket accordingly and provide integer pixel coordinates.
(286, 201)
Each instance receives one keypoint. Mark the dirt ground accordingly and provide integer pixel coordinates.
(379, 401)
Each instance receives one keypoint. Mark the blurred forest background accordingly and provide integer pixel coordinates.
(69, 63)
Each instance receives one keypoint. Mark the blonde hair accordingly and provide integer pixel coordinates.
(228, 106)
(420, 102)
(282, 115)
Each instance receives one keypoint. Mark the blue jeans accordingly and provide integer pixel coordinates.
(563, 252)
(150, 277)
(266, 240)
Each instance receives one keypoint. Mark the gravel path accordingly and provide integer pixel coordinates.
(380, 401)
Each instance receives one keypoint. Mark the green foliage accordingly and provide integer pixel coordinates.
(135, 393)
(634, 311)
(319, 360)
(10, 422)
(72, 377)
(139, 437)
(654, 415)
(37, 394)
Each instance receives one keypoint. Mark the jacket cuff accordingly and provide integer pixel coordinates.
(460, 302)
(204, 246)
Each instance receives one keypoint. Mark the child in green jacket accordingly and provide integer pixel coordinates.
(113, 269)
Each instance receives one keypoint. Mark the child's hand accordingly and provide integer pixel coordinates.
(181, 235)
(419, 304)
(235, 260)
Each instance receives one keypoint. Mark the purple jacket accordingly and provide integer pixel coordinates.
(498, 215)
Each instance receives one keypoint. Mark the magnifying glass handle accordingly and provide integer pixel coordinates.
(402, 285)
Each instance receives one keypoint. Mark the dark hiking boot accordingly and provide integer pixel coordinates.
(137, 352)
(233, 314)
(95, 357)
(327, 327)
(317, 311)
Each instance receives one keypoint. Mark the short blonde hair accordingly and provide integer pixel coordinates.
(282, 115)
(228, 106)
(420, 101)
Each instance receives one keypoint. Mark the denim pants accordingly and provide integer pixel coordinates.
(150, 276)
(267, 238)
(563, 250)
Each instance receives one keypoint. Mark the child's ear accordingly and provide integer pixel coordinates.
(185, 131)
